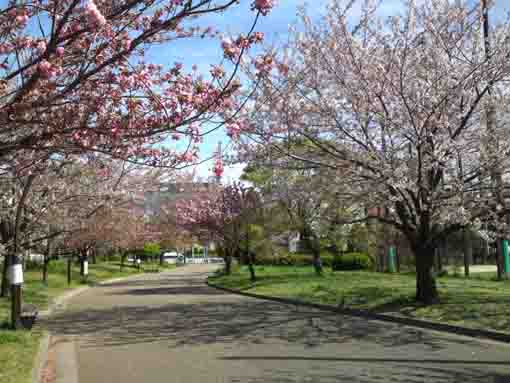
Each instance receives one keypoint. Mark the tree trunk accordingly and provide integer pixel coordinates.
(46, 261)
(228, 262)
(122, 257)
(94, 256)
(69, 265)
(312, 243)
(45, 270)
(485, 251)
(397, 256)
(499, 258)
(82, 266)
(439, 259)
(317, 263)
(468, 252)
(5, 280)
(253, 278)
(251, 268)
(16, 307)
(381, 256)
(426, 289)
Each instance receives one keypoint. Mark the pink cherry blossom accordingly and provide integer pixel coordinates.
(94, 16)
(217, 71)
(21, 19)
(46, 69)
(263, 6)
(218, 169)
(233, 130)
(230, 50)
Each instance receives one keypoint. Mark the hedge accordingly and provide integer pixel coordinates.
(352, 261)
(292, 259)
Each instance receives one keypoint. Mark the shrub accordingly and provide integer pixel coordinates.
(352, 261)
(151, 249)
(114, 258)
(292, 259)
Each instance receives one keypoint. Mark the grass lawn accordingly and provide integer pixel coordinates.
(18, 348)
(478, 302)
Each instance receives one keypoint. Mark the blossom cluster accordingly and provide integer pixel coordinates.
(233, 49)
(94, 16)
(263, 6)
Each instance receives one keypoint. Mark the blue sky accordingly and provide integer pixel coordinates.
(205, 52)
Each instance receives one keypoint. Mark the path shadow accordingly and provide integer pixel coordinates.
(382, 373)
(196, 289)
(158, 281)
(231, 320)
(372, 360)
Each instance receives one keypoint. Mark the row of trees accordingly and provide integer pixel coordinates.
(79, 103)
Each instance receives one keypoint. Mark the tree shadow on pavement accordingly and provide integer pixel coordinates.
(382, 372)
(196, 289)
(227, 319)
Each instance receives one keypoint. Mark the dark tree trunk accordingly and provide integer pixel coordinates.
(426, 289)
(253, 278)
(397, 255)
(82, 266)
(499, 258)
(228, 262)
(381, 258)
(69, 265)
(122, 258)
(439, 259)
(16, 307)
(485, 251)
(47, 257)
(5, 280)
(317, 263)
(94, 256)
(468, 252)
(251, 268)
(45, 270)
(313, 245)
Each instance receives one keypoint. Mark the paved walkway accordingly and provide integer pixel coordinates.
(171, 328)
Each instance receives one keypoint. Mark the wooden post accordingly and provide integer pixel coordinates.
(398, 258)
(69, 264)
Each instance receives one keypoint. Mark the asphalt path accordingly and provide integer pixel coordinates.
(172, 328)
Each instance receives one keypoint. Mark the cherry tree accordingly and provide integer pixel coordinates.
(223, 217)
(73, 79)
(408, 109)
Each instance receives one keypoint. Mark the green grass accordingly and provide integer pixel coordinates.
(18, 348)
(477, 302)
